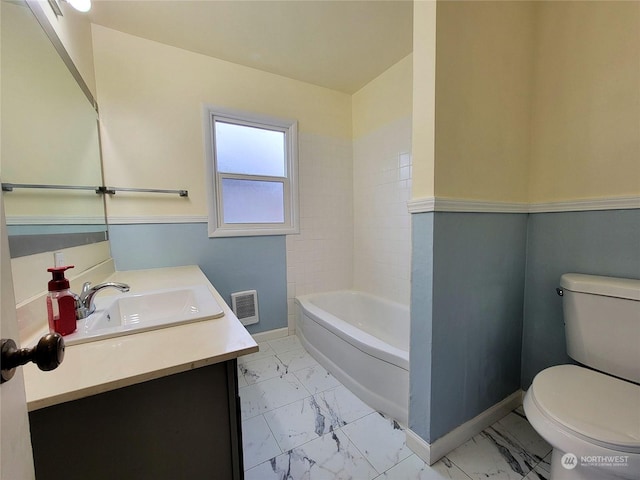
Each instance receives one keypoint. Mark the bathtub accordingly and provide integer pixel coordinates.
(363, 341)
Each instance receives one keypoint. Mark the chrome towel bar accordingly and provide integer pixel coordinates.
(9, 187)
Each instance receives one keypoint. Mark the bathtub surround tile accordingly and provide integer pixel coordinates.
(320, 258)
(270, 394)
(285, 344)
(380, 439)
(316, 379)
(330, 457)
(262, 369)
(381, 187)
(302, 421)
(297, 359)
(258, 443)
(412, 468)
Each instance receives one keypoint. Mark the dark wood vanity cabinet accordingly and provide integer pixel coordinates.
(182, 426)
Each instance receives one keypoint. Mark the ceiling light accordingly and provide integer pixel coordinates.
(80, 5)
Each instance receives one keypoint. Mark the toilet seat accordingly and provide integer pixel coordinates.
(597, 408)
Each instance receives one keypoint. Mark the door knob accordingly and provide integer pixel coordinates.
(47, 354)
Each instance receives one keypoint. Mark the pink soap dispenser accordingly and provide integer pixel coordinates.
(61, 303)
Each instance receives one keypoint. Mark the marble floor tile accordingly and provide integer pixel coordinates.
(264, 351)
(270, 394)
(412, 468)
(285, 344)
(300, 422)
(491, 454)
(330, 457)
(262, 369)
(258, 443)
(542, 471)
(290, 404)
(522, 431)
(241, 380)
(341, 404)
(380, 439)
(297, 359)
(316, 379)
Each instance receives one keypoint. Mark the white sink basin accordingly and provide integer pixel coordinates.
(137, 312)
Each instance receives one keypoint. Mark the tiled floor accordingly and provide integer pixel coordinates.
(299, 422)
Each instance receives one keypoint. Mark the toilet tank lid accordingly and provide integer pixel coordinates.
(597, 285)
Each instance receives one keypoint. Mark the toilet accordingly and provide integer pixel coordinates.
(590, 413)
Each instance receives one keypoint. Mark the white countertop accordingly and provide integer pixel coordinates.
(100, 366)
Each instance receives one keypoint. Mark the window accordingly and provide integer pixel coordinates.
(251, 161)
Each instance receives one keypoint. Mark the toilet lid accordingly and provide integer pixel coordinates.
(603, 409)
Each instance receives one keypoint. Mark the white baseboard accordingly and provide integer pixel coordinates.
(430, 453)
(271, 334)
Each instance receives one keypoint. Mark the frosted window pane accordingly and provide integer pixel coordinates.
(252, 201)
(249, 150)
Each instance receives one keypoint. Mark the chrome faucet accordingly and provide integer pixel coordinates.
(85, 305)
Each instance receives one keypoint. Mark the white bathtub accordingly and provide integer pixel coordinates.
(363, 341)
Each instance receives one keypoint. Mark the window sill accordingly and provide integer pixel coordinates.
(252, 232)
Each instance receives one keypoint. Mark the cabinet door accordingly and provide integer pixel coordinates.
(179, 426)
(235, 420)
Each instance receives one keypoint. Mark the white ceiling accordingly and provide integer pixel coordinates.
(340, 44)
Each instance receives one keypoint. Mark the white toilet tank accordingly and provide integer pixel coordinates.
(602, 323)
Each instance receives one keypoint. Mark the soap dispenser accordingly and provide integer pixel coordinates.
(61, 303)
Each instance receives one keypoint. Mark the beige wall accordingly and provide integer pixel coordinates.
(586, 109)
(535, 101)
(424, 82)
(384, 99)
(151, 97)
(483, 99)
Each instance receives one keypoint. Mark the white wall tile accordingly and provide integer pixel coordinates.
(382, 175)
(320, 257)
(354, 223)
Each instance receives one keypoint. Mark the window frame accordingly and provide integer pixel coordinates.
(215, 206)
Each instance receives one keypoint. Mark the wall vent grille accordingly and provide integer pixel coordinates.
(245, 306)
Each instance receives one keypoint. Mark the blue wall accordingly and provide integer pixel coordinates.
(230, 264)
(473, 328)
(481, 325)
(421, 324)
(596, 242)
(485, 317)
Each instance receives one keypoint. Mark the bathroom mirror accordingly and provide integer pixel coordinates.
(49, 138)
